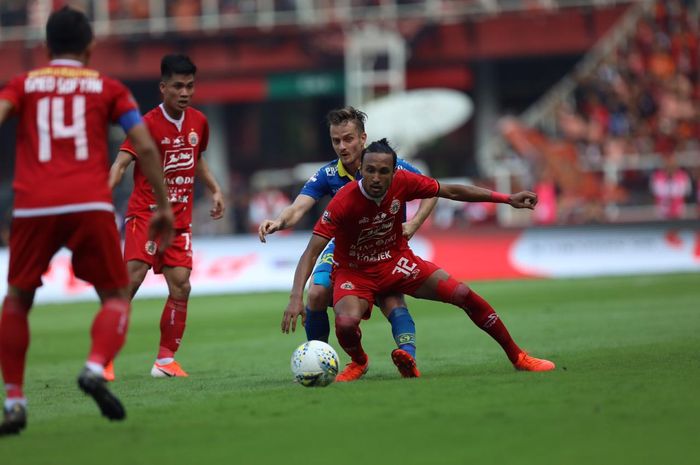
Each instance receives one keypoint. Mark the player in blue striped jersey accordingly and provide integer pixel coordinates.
(348, 137)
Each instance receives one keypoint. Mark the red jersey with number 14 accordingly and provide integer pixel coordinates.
(367, 231)
(180, 144)
(64, 110)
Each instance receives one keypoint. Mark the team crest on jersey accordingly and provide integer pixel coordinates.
(347, 285)
(395, 205)
(151, 247)
(193, 138)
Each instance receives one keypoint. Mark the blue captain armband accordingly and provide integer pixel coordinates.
(129, 119)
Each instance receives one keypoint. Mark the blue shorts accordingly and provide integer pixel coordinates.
(324, 266)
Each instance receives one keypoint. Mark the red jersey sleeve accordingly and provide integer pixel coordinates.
(122, 101)
(328, 222)
(13, 92)
(127, 146)
(420, 187)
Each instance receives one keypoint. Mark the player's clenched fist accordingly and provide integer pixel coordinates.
(523, 199)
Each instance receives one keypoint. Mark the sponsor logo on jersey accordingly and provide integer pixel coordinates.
(379, 218)
(395, 205)
(178, 160)
(331, 170)
(179, 141)
(151, 247)
(364, 220)
(193, 138)
(375, 232)
(326, 218)
(179, 180)
(347, 285)
(165, 141)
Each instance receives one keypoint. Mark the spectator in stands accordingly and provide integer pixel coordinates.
(13, 13)
(266, 203)
(670, 186)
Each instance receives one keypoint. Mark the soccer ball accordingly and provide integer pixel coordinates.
(314, 363)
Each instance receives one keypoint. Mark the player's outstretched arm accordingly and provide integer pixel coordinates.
(204, 173)
(289, 217)
(301, 275)
(425, 208)
(151, 166)
(6, 108)
(467, 193)
(116, 172)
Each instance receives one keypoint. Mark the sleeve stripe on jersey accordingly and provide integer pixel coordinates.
(322, 235)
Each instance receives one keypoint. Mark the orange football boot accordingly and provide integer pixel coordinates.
(352, 372)
(108, 372)
(405, 363)
(169, 370)
(528, 363)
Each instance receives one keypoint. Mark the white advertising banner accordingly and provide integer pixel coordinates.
(221, 265)
(558, 253)
(242, 264)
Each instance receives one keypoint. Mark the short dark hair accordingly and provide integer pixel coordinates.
(176, 64)
(347, 114)
(68, 31)
(379, 146)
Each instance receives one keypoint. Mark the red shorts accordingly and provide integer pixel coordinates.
(138, 247)
(92, 236)
(404, 273)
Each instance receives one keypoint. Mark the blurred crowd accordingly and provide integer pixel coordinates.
(642, 100)
(644, 97)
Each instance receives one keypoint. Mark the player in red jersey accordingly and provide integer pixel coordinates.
(182, 135)
(62, 199)
(373, 257)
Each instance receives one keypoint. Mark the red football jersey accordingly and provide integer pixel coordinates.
(64, 110)
(180, 143)
(367, 232)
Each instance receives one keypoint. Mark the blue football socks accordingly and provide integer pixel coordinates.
(404, 330)
(317, 326)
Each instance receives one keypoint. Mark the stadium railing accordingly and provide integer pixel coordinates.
(161, 16)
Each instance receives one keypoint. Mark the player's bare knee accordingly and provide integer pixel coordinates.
(180, 290)
(345, 323)
(452, 291)
(318, 297)
(24, 299)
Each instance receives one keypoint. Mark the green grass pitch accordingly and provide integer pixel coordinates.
(626, 391)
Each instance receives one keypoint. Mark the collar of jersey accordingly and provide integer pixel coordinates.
(176, 122)
(65, 62)
(343, 172)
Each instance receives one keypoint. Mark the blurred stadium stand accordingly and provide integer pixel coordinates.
(271, 69)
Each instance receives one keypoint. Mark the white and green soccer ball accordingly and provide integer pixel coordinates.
(314, 363)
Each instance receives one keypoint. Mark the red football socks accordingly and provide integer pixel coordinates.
(484, 316)
(480, 312)
(14, 342)
(172, 327)
(109, 330)
(347, 330)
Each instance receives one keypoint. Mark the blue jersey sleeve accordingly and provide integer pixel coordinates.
(403, 164)
(317, 185)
